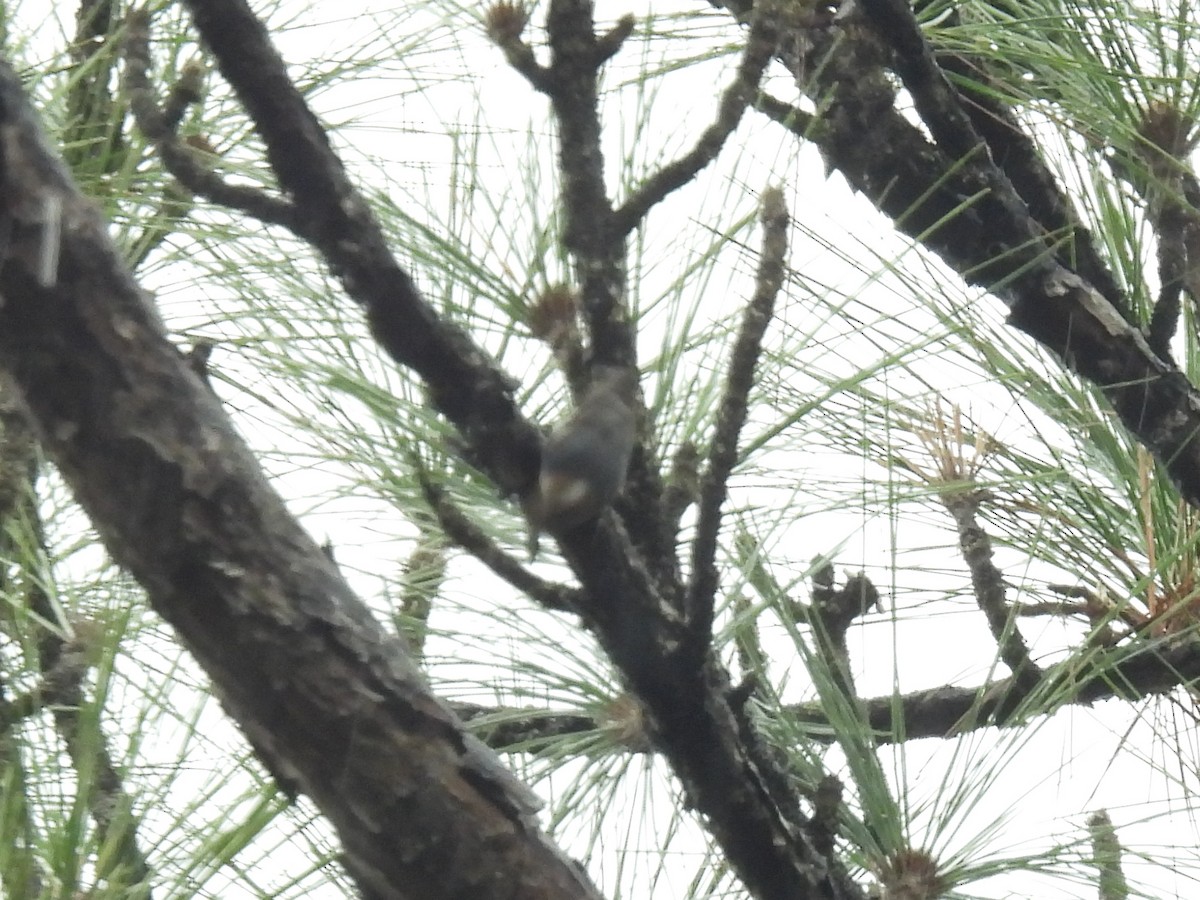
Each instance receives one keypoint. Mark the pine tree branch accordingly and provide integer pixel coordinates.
(181, 160)
(982, 230)
(464, 533)
(987, 582)
(731, 416)
(1017, 156)
(1130, 672)
(760, 45)
(328, 697)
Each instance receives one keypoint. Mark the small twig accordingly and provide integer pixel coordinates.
(467, 535)
(554, 318)
(1060, 608)
(990, 594)
(954, 478)
(792, 118)
(1096, 608)
(198, 358)
(423, 576)
(832, 612)
(505, 23)
(731, 416)
(187, 91)
(760, 45)
(610, 43)
(1106, 857)
(179, 159)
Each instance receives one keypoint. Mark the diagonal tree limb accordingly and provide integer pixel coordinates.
(997, 245)
(1017, 156)
(297, 659)
(936, 101)
(464, 384)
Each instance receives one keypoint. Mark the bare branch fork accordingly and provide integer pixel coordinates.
(186, 162)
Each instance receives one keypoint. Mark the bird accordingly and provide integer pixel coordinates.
(584, 460)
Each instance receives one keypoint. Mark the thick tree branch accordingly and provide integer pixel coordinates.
(421, 808)
(464, 384)
(1015, 152)
(1129, 672)
(992, 241)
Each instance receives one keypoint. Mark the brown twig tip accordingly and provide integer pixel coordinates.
(624, 718)
(200, 144)
(506, 21)
(187, 91)
(612, 40)
(554, 316)
(1169, 129)
(912, 873)
(139, 18)
(191, 80)
(198, 357)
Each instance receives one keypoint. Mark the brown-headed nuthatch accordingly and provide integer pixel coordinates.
(585, 458)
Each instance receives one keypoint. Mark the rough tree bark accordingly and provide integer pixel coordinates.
(328, 698)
